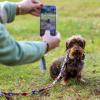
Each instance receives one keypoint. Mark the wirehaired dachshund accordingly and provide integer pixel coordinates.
(75, 46)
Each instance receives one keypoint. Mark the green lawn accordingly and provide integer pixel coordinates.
(73, 17)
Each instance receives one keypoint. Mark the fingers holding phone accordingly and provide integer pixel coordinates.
(53, 41)
(37, 9)
(29, 7)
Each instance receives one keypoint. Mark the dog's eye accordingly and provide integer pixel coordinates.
(80, 44)
(71, 45)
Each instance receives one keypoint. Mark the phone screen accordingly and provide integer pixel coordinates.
(48, 20)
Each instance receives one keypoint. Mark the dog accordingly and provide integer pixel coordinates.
(75, 46)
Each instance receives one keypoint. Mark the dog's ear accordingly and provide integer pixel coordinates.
(67, 45)
(84, 43)
(83, 57)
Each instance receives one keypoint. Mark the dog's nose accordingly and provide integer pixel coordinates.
(76, 50)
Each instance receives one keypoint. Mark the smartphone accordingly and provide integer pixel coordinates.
(48, 20)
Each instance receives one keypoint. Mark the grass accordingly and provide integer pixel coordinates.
(74, 17)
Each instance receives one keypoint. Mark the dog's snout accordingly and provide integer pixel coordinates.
(76, 50)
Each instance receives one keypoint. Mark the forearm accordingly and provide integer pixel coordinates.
(7, 12)
(17, 53)
(23, 53)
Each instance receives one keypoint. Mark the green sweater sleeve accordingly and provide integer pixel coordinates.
(7, 12)
(15, 53)
(11, 51)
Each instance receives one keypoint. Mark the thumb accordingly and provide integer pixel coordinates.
(35, 1)
(47, 32)
(58, 35)
(37, 5)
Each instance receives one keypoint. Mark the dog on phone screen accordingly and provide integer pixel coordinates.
(75, 46)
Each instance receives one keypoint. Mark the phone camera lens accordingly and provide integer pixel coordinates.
(53, 9)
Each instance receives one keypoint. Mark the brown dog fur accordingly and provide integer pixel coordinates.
(75, 60)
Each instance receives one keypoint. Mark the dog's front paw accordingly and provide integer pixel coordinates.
(81, 81)
(63, 82)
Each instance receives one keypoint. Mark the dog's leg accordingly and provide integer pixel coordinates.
(64, 82)
(79, 78)
(56, 67)
(54, 72)
(65, 79)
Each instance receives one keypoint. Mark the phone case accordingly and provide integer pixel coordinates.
(48, 20)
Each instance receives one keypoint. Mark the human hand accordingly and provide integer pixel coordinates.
(29, 7)
(53, 41)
